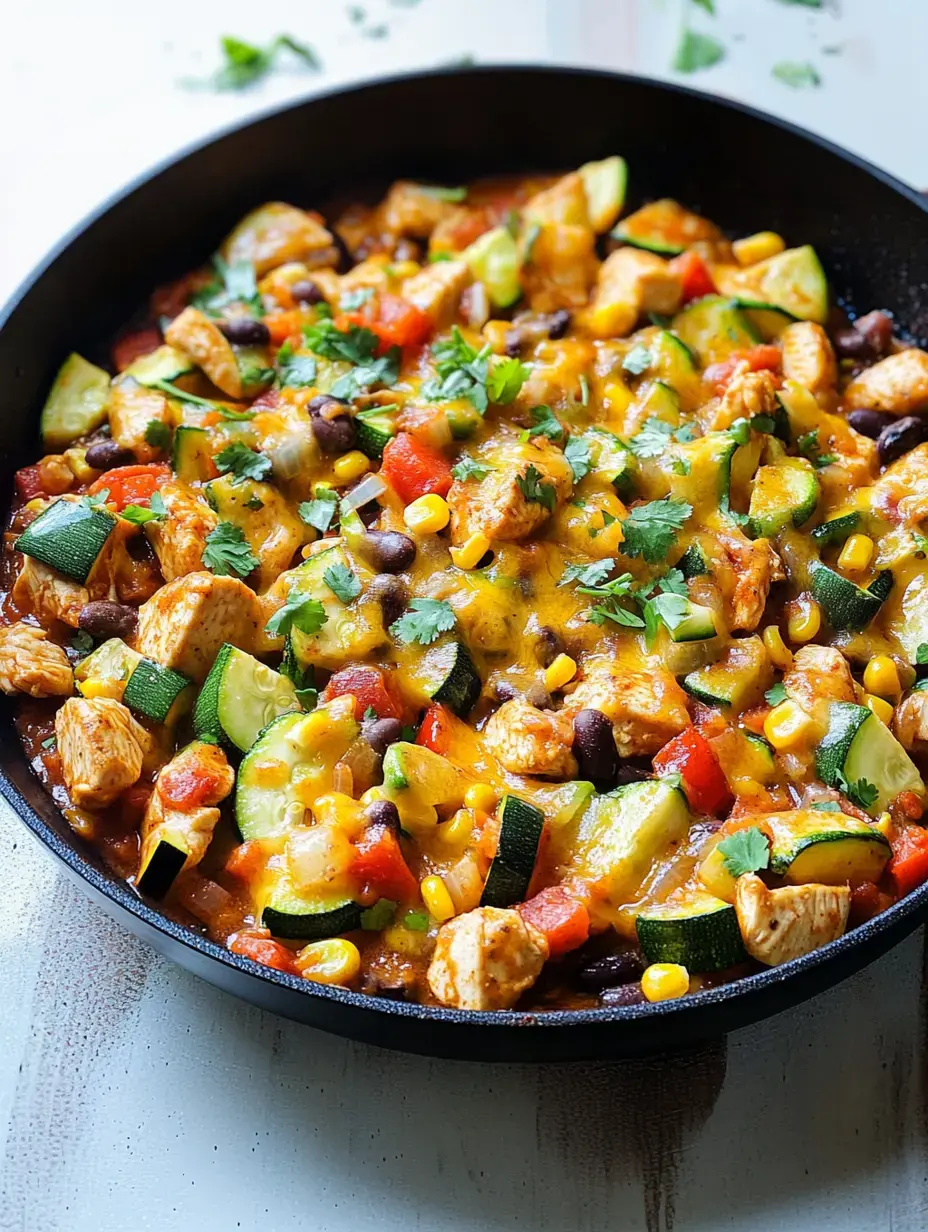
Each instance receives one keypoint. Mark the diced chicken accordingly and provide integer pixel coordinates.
(646, 709)
(527, 483)
(562, 203)
(277, 232)
(745, 580)
(557, 367)
(901, 492)
(486, 959)
(748, 394)
(208, 347)
(102, 748)
(562, 268)
(631, 282)
(898, 384)
(133, 408)
(808, 357)
(410, 209)
(172, 815)
(273, 531)
(777, 925)
(48, 594)
(179, 537)
(819, 673)
(526, 740)
(437, 290)
(911, 722)
(184, 625)
(30, 663)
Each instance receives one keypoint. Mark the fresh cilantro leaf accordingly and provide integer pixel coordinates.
(673, 582)
(608, 520)
(97, 500)
(351, 301)
(245, 64)
(921, 654)
(382, 371)
(776, 694)
(617, 614)
(652, 439)
(611, 594)
(462, 372)
(796, 75)
(745, 852)
(375, 919)
(425, 620)
(680, 466)
(697, 51)
(342, 582)
(638, 360)
(138, 515)
(444, 194)
(534, 491)
(181, 395)
(299, 611)
(320, 512)
(670, 609)
(226, 551)
(416, 921)
(157, 434)
(591, 575)
(578, 455)
(504, 380)
(650, 529)
(234, 284)
(82, 642)
(50, 742)
(827, 806)
(243, 462)
(860, 792)
(470, 468)
(545, 423)
(708, 5)
(584, 389)
(686, 432)
(354, 345)
(369, 713)
(297, 371)
(156, 504)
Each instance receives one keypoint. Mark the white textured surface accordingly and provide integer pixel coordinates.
(133, 1096)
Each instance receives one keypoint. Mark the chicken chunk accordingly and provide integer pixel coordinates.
(745, 574)
(819, 673)
(898, 384)
(47, 593)
(777, 925)
(184, 625)
(133, 408)
(526, 740)
(748, 394)
(901, 492)
(410, 209)
(646, 709)
(30, 663)
(437, 289)
(179, 537)
(102, 748)
(563, 203)
(808, 357)
(208, 347)
(527, 482)
(277, 232)
(485, 959)
(911, 722)
(170, 817)
(631, 282)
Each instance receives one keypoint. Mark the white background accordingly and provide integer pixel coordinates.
(133, 1096)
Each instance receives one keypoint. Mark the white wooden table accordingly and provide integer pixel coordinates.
(133, 1096)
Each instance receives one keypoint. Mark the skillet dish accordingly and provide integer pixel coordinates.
(499, 594)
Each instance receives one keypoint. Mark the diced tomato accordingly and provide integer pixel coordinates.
(470, 225)
(765, 355)
(192, 780)
(131, 485)
(368, 687)
(436, 729)
(697, 281)
(265, 951)
(380, 867)
(28, 482)
(400, 323)
(867, 900)
(906, 807)
(563, 920)
(414, 469)
(909, 865)
(283, 325)
(755, 718)
(704, 782)
(246, 860)
(131, 346)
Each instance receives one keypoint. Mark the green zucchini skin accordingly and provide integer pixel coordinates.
(836, 530)
(191, 457)
(152, 689)
(708, 940)
(159, 874)
(857, 745)
(520, 829)
(239, 698)
(845, 604)
(693, 562)
(459, 682)
(76, 404)
(374, 432)
(68, 536)
(304, 921)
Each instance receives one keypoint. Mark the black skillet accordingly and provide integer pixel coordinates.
(742, 169)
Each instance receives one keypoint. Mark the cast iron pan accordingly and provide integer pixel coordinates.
(740, 168)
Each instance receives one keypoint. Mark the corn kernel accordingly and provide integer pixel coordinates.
(563, 668)
(397, 271)
(880, 707)
(665, 981)
(617, 398)
(758, 247)
(881, 676)
(780, 654)
(481, 796)
(427, 515)
(76, 458)
(495, 333)
(884, 824)
(437, 899)
(102, 688)
(351, 466)
(787, 725)
(471, 552)
(333, 961)
(457, 830)
(856, 554)
(804, 621)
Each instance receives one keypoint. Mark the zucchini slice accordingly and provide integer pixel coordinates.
(713, 327)
(112, 661)
(836, 530)
(696, 624)
(68, 536)
(453, 679)
(792, 280)
(158, 692)
(352, 630)
(239, 698)
(784, 494)
(420, 781)
(604, 183)
(611, 460)
(375, 430)
(810, 846)
(520, 830)
(736, 679)
(699, 472)
(673, 362)
(664, 227)
(858, 746)
(495, 260)
(165, 363)
(161, 867)
(909, 623)
(301, 917)
(693, 562)
(845, 604)
(192, 459)
(767, 319)
(76, 404)
(697, 930)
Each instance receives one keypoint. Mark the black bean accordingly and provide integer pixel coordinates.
(246, 331)
(513, 343)
(102, 619)
(849, 344)
(634, 769)
(333, 426)
(505, 691)
(407, 250)
(306, 292)
(900, 437)
(876, 328)
(549, 645)
(104, 455)
(383, 813)
(594, 747)
(558, 323)
(369, 512)
(392, 593)
(870, 423)
(626, 994)
(381, 733)
(611, 971)
(390, 551)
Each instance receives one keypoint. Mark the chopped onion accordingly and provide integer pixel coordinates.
(464, 884)
(477, 305)
(428, 424)
(370, 487)
(205, 899)
(291, 453)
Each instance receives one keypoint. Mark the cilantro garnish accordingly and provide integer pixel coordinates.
(342, 582)
(745, 852)
(808, 446)
(470, 468)
(610, 594)
(243, 462)
(826, 806)
(380, 916)
(244, 64)
(226, 551)
(534, 490)
(96, 501)
(354, 345)
(696, 51)
(796, 75)
(416, 921)
(50, 742)
(351, 301)
(297, 371)
(776, 694)
(504, 380)
(234, 284)
(157, 434)
(544, 423)
(921, 654)
(673, 583)
(638, 360)
(578, 455)
(464, 372)
(860, 791)
(588, 575)
(652, 438)
(650, 529)
(139, 515)
(181, 395)
(298, 612)
(320, 512)
(425, 620)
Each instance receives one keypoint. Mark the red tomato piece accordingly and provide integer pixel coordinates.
(697, 281)
(692, 758)
(131, 485)
(400, 323)
(194, 780)
(246, 860)
(28, 482)
(131, 346)
(764, 355)
(265, 951)
(367, 686)
(563, 920)
(909, 864)
(436, 729)
(380, 867)
(414, 469)
(866, 902)
(283, 325)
